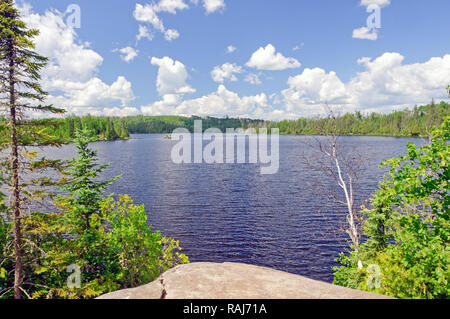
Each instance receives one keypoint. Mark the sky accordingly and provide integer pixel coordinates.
(263, 59)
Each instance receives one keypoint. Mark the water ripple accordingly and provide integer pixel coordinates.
(231, 212)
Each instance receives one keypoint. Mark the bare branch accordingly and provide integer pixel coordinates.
(343, 165)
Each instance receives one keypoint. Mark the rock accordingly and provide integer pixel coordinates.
(236, 281)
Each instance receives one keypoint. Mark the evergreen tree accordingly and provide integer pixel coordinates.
(20, 95)
(110, 240)
(85, 190)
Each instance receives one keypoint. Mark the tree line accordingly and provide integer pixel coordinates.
(406, 123)
(103, 128)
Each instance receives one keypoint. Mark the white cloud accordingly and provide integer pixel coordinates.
(70, 59)
(365, 33)
(171, 6)
(253, 78)
(166, 106)
(231, 49)
(148, 13)
(213, 5)
(225, 72)
(311, 88)
(268, 59)
(381, 3)
(363, 60)
(171, 35)
(91, 96)
(298, 47)
(72, 67)
(387, 81)
(122, 112)
(385, 84)
(172, 76)
(144, 32)
(274, 98)
(224, 102)
(220, 103)
(127, 54)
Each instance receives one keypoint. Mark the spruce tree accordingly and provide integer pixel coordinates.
(84, 187)
(81, 204)
(20, 96)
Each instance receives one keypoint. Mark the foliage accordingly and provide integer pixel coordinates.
(137, 248)
(103, 128)
(415, 122)
(142, 254)
(109, 240)
(171, 254)
(5, 263)
(408, 227)
(167, 124)
(83, 186)
(21, 95)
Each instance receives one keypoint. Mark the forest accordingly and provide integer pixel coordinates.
(406, 123)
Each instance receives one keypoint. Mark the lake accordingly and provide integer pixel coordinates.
(232, 213)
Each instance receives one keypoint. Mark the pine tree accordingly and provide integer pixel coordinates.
(82, 207)
(86, 192)
(21, 95)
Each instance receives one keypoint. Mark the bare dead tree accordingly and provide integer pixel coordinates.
(341, 165)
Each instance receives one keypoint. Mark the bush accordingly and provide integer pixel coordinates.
(408, 228)
(5, 263)
(105, 243)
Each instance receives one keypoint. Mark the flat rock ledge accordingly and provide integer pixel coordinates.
(236, 281)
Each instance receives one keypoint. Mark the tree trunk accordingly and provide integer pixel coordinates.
(18, 269)
(352, 231)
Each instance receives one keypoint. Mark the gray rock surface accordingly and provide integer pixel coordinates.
(235, 281)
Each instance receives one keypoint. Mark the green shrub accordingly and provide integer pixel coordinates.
(408, 228)
(107, 240)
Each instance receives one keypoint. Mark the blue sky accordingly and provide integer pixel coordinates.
(290, 56)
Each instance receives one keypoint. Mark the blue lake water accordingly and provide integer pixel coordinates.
(232, 213)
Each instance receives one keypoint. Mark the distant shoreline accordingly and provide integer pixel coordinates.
(298, 135)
